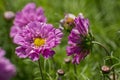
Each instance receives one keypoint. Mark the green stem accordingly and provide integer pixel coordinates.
(68, 67)
(108, 77)
(54, 63)
(75, 71)
(108, 53)
(59, 78)
(41, 74)
(103, 77)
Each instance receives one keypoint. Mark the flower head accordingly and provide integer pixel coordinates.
(7, 70)
(28, 14)
(79, 40)
(37, 39)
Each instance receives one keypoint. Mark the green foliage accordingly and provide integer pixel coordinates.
(104, 16)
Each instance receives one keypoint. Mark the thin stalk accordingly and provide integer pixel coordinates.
(75, 71)
(41, 74)
(54, 63)
(108, 77)
(103, 77)
(108, 53)
(59, 78)
(68, 67)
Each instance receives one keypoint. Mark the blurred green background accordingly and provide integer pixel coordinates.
(104, 17)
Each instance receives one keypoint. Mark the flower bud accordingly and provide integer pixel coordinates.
(105, 69)
(68, 22)
(69, 18)
(60, 72)
(67, 60)
(9, 15)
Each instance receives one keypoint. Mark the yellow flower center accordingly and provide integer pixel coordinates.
(39, 42)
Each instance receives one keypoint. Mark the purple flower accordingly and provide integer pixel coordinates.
(79, 40)
(7, 70)
(28, 14)
(37, 39)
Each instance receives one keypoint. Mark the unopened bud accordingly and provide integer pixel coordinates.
(68, 22)
(60, 72)
(9, 15)
(67, 60)
(105, 69)
(69, 18)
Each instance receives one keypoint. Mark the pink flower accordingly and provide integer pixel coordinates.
(37, 39)
(28, 14)
(79, 40)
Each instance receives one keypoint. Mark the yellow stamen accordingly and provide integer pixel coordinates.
(39, 42)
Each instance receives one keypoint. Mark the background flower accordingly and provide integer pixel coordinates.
(28, 14)
(7, 70)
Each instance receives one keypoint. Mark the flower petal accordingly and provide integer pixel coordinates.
(48, 53)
